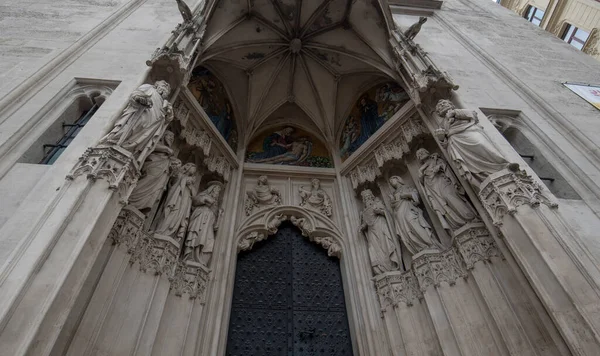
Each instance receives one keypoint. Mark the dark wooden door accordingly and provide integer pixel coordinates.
(288, 300)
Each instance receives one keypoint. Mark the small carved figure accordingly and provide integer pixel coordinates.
(414, 231)
(200, 237)
(185, 11)
(262, 196)
(155, 175)
(414, 29)
(316, 198)
(374, 225)
(473, 153)
(143, 121)
(175, 217)
(445, 194)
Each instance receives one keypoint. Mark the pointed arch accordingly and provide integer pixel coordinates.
(214, 98)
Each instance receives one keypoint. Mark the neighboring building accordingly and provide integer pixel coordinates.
(577, 22)
(295, 177)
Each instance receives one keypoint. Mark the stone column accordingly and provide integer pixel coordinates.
(563, 276)
(409, 326)
(40, 287)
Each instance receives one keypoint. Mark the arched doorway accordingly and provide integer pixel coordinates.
(288, 300)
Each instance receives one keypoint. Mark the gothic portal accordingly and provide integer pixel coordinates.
(295, 177)
(288, 299)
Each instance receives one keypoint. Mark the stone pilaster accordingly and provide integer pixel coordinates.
(560, 271)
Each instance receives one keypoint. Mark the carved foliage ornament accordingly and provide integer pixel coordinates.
(191, 278)
(114, 164)
(394, 288)
(475, 244)
(503, 192)
(158, 254)
(433, 268)
(306, 226)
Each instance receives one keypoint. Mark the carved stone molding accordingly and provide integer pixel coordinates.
(127, 228)
(504, 191)
(219, 165)
(190, 278)
(432, 267)
(155, 253)
(418, 71)
(181, 112)
(316, 227)
(398, 287)
(114, 164)
(398, 148)
(364, 174)
(197, 138)
(475, 244)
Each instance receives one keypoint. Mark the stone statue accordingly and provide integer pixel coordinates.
(143, 121)
(444, 193)
(262, 196)
(414, 29)
(175, 216)
(473, 153)
(200, 237)
(414, 231)
(374, 225)
(155, 174)
(316, 198)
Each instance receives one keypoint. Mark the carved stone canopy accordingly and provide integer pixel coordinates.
(317, 227)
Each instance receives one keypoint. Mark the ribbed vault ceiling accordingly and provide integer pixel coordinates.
(318, 55)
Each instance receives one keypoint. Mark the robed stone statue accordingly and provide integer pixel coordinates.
(374, 225)
(443, 191)
(475, 156)
(414, 231)
(143, 121)
(200, 237)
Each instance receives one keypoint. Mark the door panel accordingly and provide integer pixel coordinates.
(288, 300)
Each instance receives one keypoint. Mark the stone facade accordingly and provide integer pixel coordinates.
(448, 241)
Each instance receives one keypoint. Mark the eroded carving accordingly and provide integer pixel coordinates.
(219, 165)
(174, 218)
(143, 121)
(200, 238)
(444, 192)
(433, 267)
(127, 228)
(316, 198)
(475, 244)
(155, 253)
(412, 228)
(262, 196)
(472, 152)
(190, 278)
(376, 229)
(397, 287)
(114, 164)
(503, 192)
(155, 174)
(364, 174)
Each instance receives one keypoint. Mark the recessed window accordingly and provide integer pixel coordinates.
(534, 15)
(53, 150)
(66, 115)
(574, 36)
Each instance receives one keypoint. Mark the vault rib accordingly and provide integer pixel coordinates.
(209, 42)
(268, 87)
(261, 19)
(218, 51)
(298, 17)
(379, 66)
(315, 92)
(292, 72)
(314, 16)
(283, 19)
(267, 58)
(375, 50)
(325, 65)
